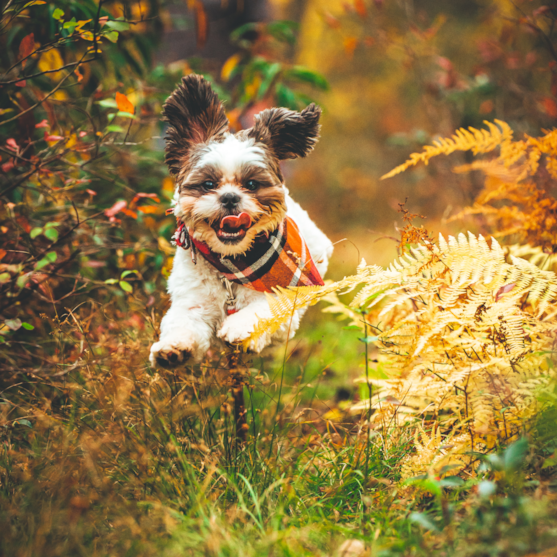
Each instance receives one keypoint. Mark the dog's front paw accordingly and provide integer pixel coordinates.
(238, 327)
(171, 352)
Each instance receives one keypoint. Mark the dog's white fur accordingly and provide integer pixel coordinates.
(197, 317)
(220, 175)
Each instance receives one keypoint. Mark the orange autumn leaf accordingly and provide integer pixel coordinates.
(549, 107)
(360, 7)
(350, 44)
(124, 104)
(201, 24)
(26, 47)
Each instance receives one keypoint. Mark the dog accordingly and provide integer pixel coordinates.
(239, 234)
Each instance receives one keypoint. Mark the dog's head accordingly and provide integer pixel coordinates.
(229, 188)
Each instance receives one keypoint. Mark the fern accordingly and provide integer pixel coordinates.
(516, 198)
(461, 329)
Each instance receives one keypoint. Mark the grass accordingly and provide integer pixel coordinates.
(111, 457)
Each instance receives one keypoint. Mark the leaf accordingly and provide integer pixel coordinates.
(112, 36)
(368, 340)
(515, 454)
(111, 281)
(360, 7)
(503, 290)
(486, 489)
(108, 103)
(35, 232)
(118, 25)
(201, 24)
(300, 73)
(451, 481)
(51, 234)
(5, 277)
(116, 208)
(27, 326)
(23, 421)
(129, 272)
(26, 47)
(13, 324)
(115, 128)
(269, 73)
(283, 30)
(229, 66)
(46, 260)
(58, 14)
(424, 521)
(125, 286)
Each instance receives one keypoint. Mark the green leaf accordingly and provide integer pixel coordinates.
(352, 328)
(5, 277)
(23, 421)
(70, 25)
(22, 280)
(299, 73)
(242, 30)
(51, 234)
(125, 286)
(515, 454)
(269, 73)
(451, 481)
(35, 232)
(58, 14)
(369, 340)
(118, 25)
(50, 257)
(51, 224)
(283, 30)
(115, 128)
(27, 326)
(424, 521)
(285, 96)
(112, 36)
(108, 103)
(111, 281)
(126, 273)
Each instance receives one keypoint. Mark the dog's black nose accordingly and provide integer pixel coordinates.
(230, 199)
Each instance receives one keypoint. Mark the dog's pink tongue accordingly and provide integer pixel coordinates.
(243, 220)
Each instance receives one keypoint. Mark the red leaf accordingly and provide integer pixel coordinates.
(21, 83)
(82, 134)
(12, 145)
(115, 209)
(43, 124)
(91, 192)
(26, 47)
(549, 107)
(48, 137)
(130, 213)
(149, 195)
(7, 166)
(331, 21)
(503, 290)
(124, 104)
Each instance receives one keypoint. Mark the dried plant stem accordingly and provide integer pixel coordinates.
(237, 376)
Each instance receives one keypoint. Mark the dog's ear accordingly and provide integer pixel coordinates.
(289, 134)
(195, 115)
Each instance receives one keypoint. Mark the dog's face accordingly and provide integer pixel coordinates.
(229, 188)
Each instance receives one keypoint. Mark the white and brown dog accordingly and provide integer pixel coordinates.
(240, 233)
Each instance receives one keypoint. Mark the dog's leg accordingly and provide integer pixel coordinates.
(188, 326)
(240, 325)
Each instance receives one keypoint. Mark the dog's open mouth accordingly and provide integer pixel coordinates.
(233, 228)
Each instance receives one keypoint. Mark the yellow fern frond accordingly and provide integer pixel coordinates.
(471, 139)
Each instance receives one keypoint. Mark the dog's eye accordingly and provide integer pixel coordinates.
(251, 185)
(208, 185)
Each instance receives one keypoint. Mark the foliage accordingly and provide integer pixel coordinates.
(516, 199)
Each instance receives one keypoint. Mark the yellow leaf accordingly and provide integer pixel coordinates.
(51, 60)
(229, 66)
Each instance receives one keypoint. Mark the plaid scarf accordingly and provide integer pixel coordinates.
(282, 259)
